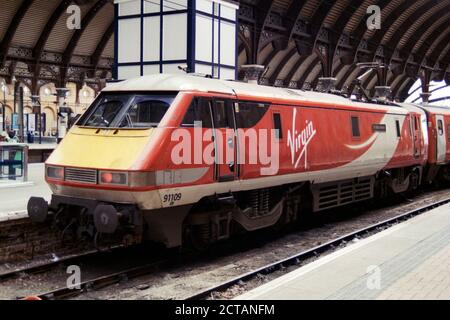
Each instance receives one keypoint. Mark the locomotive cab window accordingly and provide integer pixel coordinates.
(277, 126)
(356, 133)
(126, 110)
(223, 114)
(103, 112)
(145, 113)
(199, 112)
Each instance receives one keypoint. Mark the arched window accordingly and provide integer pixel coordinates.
(50, 121)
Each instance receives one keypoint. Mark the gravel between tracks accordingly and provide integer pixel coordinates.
(179, 283)
(199, 274)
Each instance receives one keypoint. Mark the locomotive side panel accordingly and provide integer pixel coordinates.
(316, 144)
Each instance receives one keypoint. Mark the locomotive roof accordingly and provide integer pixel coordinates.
(429, 108)
(436, 109)
(185, 82)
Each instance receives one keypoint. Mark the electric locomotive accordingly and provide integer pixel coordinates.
(175, 158)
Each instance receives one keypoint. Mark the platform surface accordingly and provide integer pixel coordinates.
(14, 195)
(410, 260)
(32, 146)
(43, 146)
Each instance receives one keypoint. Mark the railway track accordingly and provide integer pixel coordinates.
(117, 252)
(42, 245)
(22, 240)
(100, 282)
(43, 267)
(297, 259)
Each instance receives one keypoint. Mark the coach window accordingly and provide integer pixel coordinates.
(397, 125)
(416, 124)
(248, 114)
(448, 132)
(440, 127)
(199, 111)
(410, 129)
(355, 127)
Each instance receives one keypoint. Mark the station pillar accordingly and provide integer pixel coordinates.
(326, 84)
(425, 96)
(177, 36)
(62, 117)
(253, 72)
(36, 103)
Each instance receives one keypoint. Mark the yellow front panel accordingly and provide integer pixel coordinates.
(104, 149)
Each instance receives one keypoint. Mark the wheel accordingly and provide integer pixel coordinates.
(197, 237)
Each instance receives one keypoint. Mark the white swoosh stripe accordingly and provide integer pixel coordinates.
(365, 144)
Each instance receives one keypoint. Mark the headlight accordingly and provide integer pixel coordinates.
(56, 173)
(113, 178)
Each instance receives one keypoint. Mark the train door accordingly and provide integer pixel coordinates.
(225, 140)
(415, 125)
(440, 139)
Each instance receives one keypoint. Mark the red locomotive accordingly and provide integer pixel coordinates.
(175, 157)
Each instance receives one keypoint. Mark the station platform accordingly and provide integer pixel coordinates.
(14, 195)
(408, 261)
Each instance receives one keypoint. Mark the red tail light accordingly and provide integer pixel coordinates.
(115, 178)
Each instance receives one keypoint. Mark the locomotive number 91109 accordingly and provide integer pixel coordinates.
(171, 198)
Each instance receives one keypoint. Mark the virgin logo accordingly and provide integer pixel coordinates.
(298, 141)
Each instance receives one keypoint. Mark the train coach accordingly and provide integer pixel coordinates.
(180, 158)
(439, 139)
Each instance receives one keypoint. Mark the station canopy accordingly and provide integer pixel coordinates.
(298, 41)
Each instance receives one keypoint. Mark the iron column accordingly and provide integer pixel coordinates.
(37, 105)
(4, 106)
